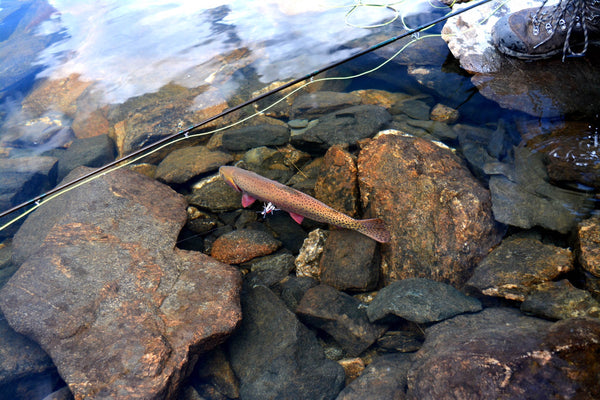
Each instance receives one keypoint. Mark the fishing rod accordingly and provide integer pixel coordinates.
(185, 133)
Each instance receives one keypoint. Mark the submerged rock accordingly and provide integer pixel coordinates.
(421, 301)
(560, 300)
(26, 371)
(276, 357)
(439, 216)
(341, 316)
(214, 194)
(183, 164)
(522, 196)
(277, 164)
(104, 291)
(90, 152)
(350, 261)
(316, 104)
(269, 270)
(588, 245)
(23, 178)
(513, 269)
(242, 245)
(145, 119)
(246, 138)
(337, 183)
(571, 151)
(498, 353)
(383, 379)
(344, 127)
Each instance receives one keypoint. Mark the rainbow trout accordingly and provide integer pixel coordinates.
(296, 203)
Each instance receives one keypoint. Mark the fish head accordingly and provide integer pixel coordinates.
(227, 175)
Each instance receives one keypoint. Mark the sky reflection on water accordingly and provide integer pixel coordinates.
(133, 48)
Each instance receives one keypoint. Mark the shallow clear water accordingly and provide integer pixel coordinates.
(75, 66)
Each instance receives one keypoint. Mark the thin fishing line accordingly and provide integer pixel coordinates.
(185, 134)
(360, 4)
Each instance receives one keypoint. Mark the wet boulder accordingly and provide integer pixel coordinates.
(91, 152)
(421, 301)
(183, 164)
(316, 104)
(349, 261)
(275, 356)
(248, 137)
(499, 353)
(103, 290)
(242, 245)
(337, 183)
(560, 300)
(384, 378)
(439, 216)
(26, 371)
(523, 197)
(344, 127)
(588, 245)
(512, 269)
(341, 316)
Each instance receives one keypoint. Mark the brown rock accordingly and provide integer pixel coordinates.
(148, 118)
(380, 97)
(337, 183)
(560, 300)
(349, 261)
(353, 367)
(91, 124)
(242, 245)
(104, 291)
(438, 214)
(588, 245)
(183, 164)
(443, 113)
(498, 353)
(513, 269)
(58, 93)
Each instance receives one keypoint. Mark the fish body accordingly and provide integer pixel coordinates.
(298, 204)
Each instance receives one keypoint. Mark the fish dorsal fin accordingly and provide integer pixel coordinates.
(297, 217)
(247, 200)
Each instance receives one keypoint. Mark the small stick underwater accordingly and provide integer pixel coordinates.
(36, 201)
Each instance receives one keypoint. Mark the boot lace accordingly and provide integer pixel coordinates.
(578, 13)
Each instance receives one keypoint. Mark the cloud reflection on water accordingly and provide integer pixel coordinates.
(133, 47)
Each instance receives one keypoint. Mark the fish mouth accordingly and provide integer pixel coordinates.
(227, 175)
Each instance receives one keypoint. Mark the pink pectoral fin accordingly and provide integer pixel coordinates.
(247, 200)
(297, 217)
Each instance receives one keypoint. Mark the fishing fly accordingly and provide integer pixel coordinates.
(268, 208)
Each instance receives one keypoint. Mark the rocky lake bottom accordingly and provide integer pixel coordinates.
(152, 281)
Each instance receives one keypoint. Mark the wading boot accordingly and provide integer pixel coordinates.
(536, 33)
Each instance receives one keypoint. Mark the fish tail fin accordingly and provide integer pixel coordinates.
(375, 229)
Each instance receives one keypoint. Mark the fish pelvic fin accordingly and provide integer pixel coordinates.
(296, 217)
(247, 200)
(375, 229)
